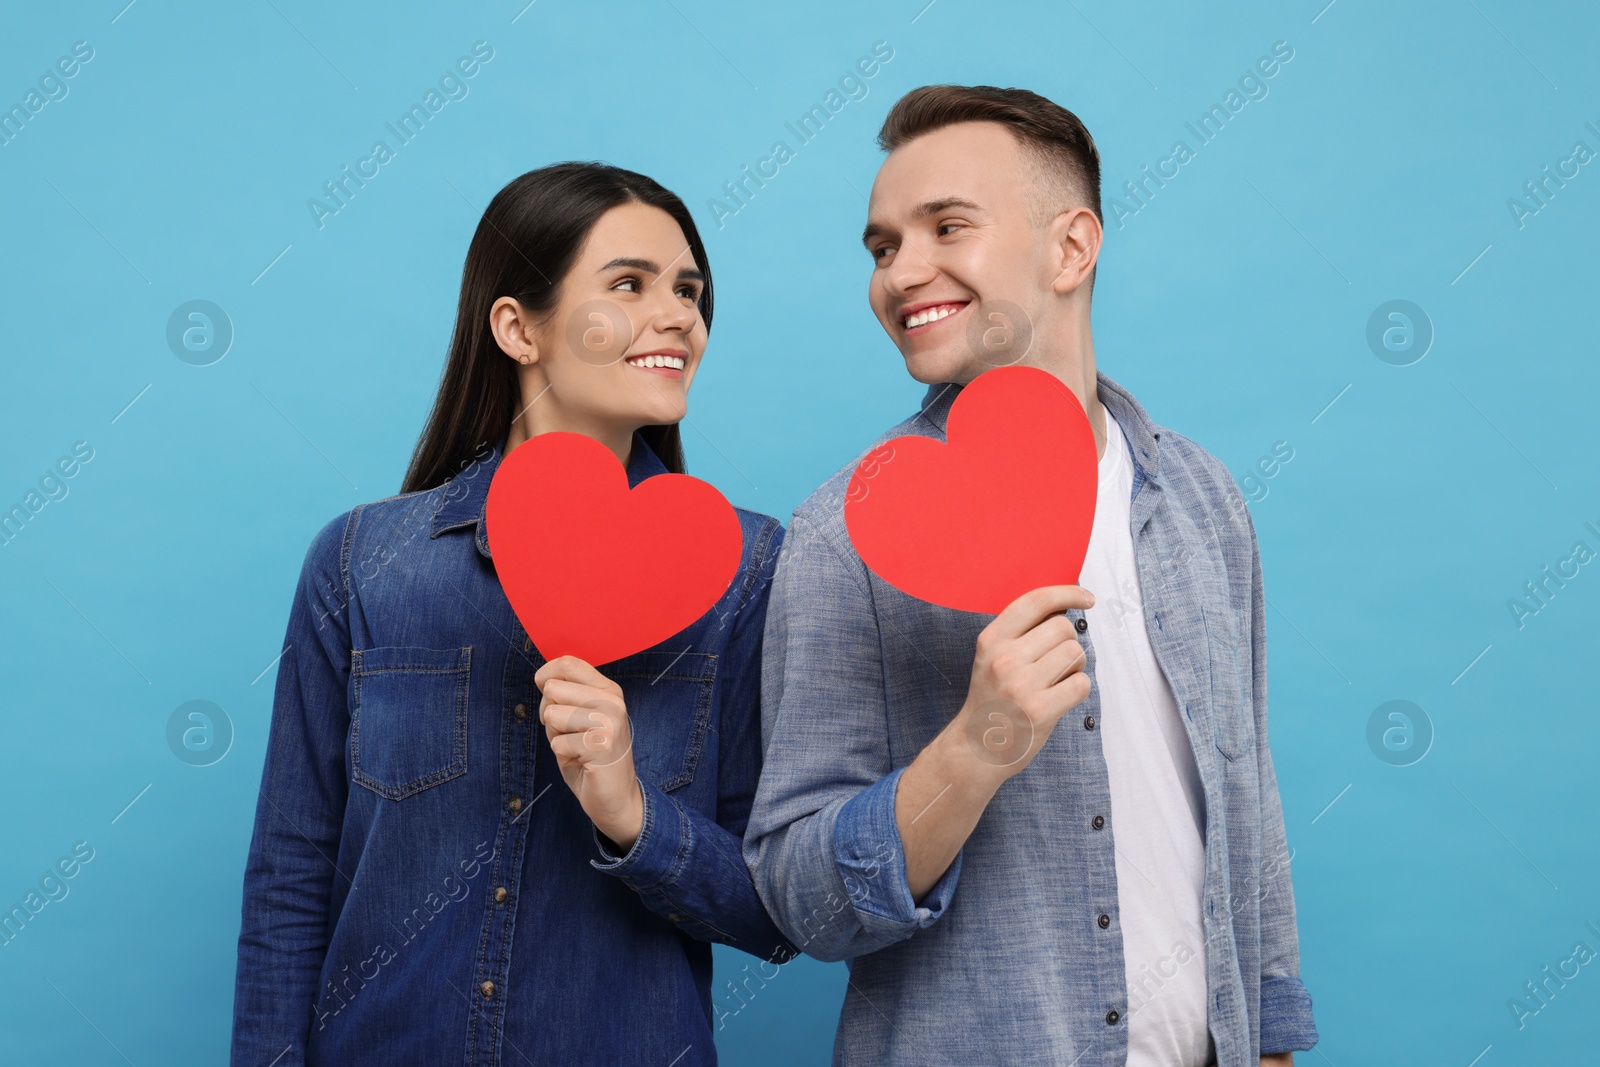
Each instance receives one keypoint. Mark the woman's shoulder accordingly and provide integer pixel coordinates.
(392, 520)
(763, 537)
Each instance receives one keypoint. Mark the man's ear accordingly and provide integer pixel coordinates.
(1074, 241)
(514, 329)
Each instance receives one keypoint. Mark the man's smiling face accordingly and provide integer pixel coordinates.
(959, 250)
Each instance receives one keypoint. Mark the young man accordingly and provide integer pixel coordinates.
(1012, 883)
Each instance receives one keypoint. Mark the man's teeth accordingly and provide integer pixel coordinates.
(933, 314)
(675, 362)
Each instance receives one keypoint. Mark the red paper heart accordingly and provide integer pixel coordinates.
(1004, 505)
(594, 569)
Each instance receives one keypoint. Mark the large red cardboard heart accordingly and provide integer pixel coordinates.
(594, 569)
(1004, 505)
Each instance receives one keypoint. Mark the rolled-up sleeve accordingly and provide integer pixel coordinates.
(823, 845)
(1286, 1022)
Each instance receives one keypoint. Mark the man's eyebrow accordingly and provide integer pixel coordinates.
(652, 267)
(921, 211)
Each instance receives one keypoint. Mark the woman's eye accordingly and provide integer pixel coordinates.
(689, 292)
(628, 281)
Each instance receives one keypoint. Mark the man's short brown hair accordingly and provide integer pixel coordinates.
(1056, 138)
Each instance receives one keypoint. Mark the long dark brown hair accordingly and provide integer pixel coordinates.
(525, 243)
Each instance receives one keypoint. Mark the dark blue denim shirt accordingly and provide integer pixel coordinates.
(422, 887)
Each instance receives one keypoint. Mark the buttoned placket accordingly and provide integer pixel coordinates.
(1102, 914)
(490, 993)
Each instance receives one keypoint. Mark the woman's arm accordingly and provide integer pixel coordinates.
(290, 872)
(686, 866)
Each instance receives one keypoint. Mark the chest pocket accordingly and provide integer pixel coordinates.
(669, 707)
(408, 718)
(1232, 712)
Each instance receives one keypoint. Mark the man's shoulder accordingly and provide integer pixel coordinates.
(1198, 479)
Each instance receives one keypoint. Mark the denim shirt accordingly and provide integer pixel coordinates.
(1003, 960)
(422, 886)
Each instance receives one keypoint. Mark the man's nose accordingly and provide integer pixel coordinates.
(909, 269)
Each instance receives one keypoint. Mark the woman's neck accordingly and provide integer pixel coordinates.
(618, 439)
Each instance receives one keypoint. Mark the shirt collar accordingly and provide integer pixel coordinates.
(1144, 438)
(465, 497)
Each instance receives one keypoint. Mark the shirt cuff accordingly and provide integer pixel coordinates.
(1286, 1024)
(657, 853)
(871, 859)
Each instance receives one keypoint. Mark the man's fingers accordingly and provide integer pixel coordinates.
(1053, 632)
(1034, 606)
(1056, 664)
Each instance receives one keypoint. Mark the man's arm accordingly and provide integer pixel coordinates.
(1286, 1021)
(849, 853)
(1026, 672)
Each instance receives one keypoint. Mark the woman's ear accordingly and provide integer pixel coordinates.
(514, 330)
(1074, 242)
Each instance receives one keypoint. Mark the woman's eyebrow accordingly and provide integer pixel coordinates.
(637, 264)
(652, 267)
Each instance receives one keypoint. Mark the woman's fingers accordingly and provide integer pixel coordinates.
(561, 691)
(593, 748)
(566, 718)
(572, 669)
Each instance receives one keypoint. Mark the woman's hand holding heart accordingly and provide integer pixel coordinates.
(586, 721)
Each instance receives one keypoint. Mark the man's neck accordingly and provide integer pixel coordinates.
(1071, 359)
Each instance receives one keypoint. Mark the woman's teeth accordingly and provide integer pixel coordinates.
(675, 362)
(933, 314)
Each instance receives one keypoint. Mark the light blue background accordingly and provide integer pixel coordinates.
(1234, 305)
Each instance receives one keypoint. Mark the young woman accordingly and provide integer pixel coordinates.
(462, 853)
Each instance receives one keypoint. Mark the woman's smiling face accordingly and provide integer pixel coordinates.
(624, 340)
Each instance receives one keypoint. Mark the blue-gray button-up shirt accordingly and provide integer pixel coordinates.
(1003, 960)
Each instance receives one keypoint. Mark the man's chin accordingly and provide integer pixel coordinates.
(932, 368)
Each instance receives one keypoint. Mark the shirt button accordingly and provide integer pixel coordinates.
(522, 711)
(674, 916)
(527, 643)
(487, 989)
(515, 805)
(1104, 921)
(1111, 1017)
(1082, 625)
(499, 894)
(1099, 822)
(1088, 722)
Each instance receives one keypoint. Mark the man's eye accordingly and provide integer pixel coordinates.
(943, 226)
(881, 251)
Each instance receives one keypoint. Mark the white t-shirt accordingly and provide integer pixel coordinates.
(1157, 813)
